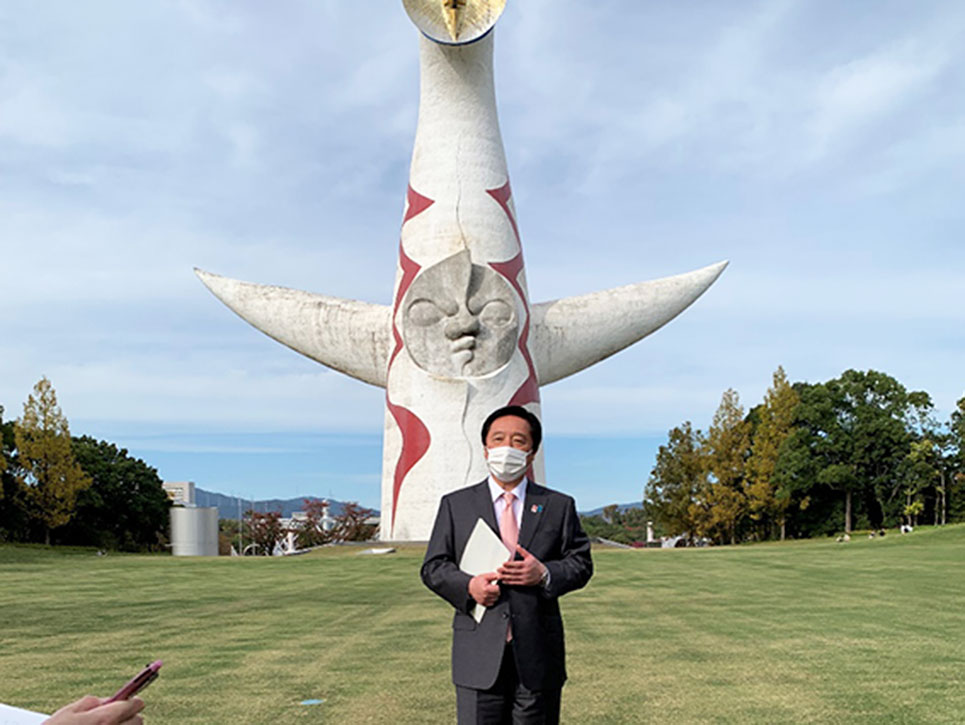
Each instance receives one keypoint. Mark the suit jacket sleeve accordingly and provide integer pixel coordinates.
(440, 570)
(574, 567)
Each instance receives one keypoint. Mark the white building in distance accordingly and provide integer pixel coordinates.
(181, 493)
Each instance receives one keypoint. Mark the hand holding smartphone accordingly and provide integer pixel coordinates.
(137, 683)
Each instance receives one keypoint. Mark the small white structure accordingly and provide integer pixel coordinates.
(181, 493)
(194, 531)
(299, 517)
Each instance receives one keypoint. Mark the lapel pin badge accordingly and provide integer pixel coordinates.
(537, 508)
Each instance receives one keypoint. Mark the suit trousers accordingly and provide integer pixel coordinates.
(507, 702)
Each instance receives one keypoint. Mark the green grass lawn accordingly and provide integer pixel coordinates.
(802, 632)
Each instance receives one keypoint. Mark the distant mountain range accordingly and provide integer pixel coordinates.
(621, 507)
(228, 505)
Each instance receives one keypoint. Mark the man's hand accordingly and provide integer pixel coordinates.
(525, 573)
(483, 589)
(91, 711)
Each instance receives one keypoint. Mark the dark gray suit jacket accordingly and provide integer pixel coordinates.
(550, 530)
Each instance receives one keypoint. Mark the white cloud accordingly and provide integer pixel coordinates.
(232, 84)
(217, 392)
(212, 16)
(31, 113)
(244, 142)
(851, 96)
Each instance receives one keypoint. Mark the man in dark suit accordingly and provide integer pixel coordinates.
(510, 666)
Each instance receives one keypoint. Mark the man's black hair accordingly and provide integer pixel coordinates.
(535, 428)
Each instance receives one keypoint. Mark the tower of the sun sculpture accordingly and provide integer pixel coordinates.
(461, 337)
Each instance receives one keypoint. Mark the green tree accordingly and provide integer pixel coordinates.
(912, 510)
(597, 527)
(953, 465)
(229, 536)
(3, 453)
(852, 435)
(265, 530)
(956, 426)
(883, 418)
(49, 473)
(721, 502)
(125, 506)
(350, 524)
(775, 422)
(809, 467)
(14, 522)
(676, 478)
(312, 531)
(626, 527)
(920, 472)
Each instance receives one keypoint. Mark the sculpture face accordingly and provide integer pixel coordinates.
(459, 319)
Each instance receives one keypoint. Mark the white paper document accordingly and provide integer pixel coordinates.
(484, 552)
(15, 716)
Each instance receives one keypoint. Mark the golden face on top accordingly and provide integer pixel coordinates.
(454, 21)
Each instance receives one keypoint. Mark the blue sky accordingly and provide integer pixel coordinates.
(818, 146)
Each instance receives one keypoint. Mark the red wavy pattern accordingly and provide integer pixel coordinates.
(415, 204)
(409, 271)
(528, 392)
(415, 435)
(502, 196)
(415, 443)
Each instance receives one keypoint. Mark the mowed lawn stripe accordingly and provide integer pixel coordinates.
(802, 632)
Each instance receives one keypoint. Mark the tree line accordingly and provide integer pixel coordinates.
(625, 527)
(263, 530)
(859, 451)
(80, 491)
(60, 489)
(856, 452)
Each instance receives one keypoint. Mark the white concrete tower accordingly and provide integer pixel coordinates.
(461, 337)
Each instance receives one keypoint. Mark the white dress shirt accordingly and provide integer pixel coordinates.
(499, 503)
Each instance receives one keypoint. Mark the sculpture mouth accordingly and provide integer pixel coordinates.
(461, 351)
(465, 343)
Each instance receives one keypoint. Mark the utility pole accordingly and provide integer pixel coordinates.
(241, 529)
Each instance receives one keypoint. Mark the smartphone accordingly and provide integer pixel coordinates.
(137, 683)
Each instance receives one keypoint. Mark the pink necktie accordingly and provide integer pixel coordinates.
(508, 530)
(509, 533)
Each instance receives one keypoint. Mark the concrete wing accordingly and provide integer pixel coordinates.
(345, 335)
(574, 333)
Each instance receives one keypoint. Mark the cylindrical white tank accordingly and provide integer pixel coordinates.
(194, 531)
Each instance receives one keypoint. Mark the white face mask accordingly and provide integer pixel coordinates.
(507, 463)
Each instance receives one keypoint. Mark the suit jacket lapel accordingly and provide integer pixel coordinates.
(484, 506)
(534, 511)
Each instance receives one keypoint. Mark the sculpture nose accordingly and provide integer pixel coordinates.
(461, 324)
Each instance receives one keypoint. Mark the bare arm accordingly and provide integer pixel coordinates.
(89, 711)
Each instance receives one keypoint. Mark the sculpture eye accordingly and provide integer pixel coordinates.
(425, 313)
(496, 313)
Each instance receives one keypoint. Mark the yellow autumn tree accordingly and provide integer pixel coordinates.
(3, 458)
(721, 502)
(776, 424)
(677, 478)
(50, 475)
